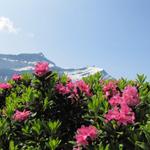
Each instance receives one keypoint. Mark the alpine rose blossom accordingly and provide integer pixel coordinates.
(5, 86)
(41, 68)
(72, 89)
(127, 116)
(64, 89)
(21, 116)
(115, 100)
(122, 106)
(60, 88)
(83, 87)
(84, 133)
(122, 114)
(16, 77)
(110, 89)
(130, 95)
(112, 114)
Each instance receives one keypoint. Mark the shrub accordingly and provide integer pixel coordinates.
(44, 111)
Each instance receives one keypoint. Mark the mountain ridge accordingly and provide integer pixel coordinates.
(25, 62)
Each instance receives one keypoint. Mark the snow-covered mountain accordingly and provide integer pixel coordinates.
(77, 74)
(21, 63)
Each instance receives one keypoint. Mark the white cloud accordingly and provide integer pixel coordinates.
(7, 25)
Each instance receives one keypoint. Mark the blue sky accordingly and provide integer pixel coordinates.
(110, 34)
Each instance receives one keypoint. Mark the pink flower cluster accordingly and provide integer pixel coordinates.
(123, 114)
(110, 89)
(115, 100)
(121, 111)
(21, 116)
(84, 133)
(131, 96)
(65, 89)
(5, 86)
(16, 77)
(72, 89)
(83, 87)
(41, 68)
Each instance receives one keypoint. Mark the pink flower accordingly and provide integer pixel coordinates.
(21, 116)
(61, 89)
(123, 114)
(70, 86)
(16, 77)
(126, 118)
(121, 111)
(115, 100)
(5, 86)
(72, 89)
(83, 87)
(41, 68)
(110, 89)
(86, 132)
(130, 95)
(112, 114)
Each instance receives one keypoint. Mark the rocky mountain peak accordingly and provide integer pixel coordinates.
(20, 63)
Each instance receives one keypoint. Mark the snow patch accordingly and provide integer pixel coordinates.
(24, 68)
(78, 74)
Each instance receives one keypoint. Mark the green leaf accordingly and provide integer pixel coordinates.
(37, 125)
(12, 146)
(63, 79)
(53, 126)
(142, 145)
(53, 143)
(141, 78)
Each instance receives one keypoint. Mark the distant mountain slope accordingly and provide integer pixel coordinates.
(77, 74)
(10, 64)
